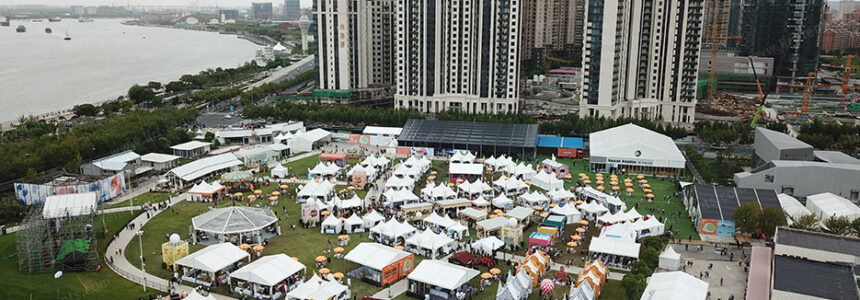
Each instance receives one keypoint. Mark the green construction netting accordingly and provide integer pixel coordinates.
(79, 245)
(332, 94)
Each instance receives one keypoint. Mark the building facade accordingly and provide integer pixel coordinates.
(354, 43)
(641, 59)
(457, 55)
(262, 11)
(726, 15)
(551, 27)
(292, 10)
(788, 31)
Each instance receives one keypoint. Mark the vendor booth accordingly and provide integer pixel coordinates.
(172, 250)
(279, 171)
(353, 224)
(648, 226)
(440, 280)
(320, 288)
(488, 244)
(522, 171)
(339, 159)
(560, 195)
(669, 259)
(557, 169)
(352, 202)
(236, 225)
(555, 221)
(540, 240)
(397, 183)
(614, 252)
(592, 210)
(315, 189)
(331, 225)
(510, 186)
(614, 204)
(429, 244)
(206, 192)
(475, 190)
(359, 176)
(534, 198)
(212, 264)
(397, 198)
(436, 193)
(473, 214)
(547, 181)
(408, 172)
(503, 202)
(568, 211)
(522, 214)
(268, 277)
(324, 171)
(379, 264)
(372, 219)
(391, 232)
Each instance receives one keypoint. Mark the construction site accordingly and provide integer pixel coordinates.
(60, 235)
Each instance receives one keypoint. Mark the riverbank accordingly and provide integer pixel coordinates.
(259, 40)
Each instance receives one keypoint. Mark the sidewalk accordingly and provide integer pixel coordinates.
(124, 268)
(393, 290)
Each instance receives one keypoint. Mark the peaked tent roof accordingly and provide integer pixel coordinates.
(675, 285)
(627, 140)
(376, 256)
(442, 274)
(315, 288)
(234, 219)
(269, 270)
(213, 258)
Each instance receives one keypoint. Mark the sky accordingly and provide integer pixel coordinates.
(223, 3)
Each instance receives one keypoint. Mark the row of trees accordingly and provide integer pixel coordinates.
(331, 114)
(573, 125)
(649, 259)
(831, 135)
(720, 171)
(271, 88)
(750, 218)
(835, 225)
(68, 148)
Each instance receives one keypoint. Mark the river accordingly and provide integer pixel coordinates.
(42, 73)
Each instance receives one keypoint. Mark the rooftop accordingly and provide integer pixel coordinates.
(632, 141)
(818, 279)
(720, 202)
(117, 161)
(158, 157)
(817, 240)
(470, 133)
(835, 157)
(782, 140)
(203, 166)
(190, 145)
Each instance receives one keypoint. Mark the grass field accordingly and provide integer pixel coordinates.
(87, 285)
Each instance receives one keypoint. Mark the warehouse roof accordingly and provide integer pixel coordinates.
(835, 157)
(547, 141)
(818, 279)
(782, 140)
(817, 240)
(470, 133)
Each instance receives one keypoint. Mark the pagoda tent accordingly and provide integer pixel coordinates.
(353, 224)
(669, 259)
(331, 225)
(279, 171)
(372, 219)
(547, 181)
(573, 215)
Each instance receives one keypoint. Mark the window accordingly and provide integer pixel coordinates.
(768, 178)
(855, 195)
(788, 190)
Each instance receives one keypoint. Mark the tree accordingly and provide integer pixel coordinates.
(747, 217)
(140, 94)
(838, 225)
(807, 222)
(175, 86)
(640, 267)
(770, 219)
(209, 136)
(650, 257)
(156, 102)
(634, 285)
(85, 110)
(155, 85)
(110, 108)
(855, 227)
(75, 164)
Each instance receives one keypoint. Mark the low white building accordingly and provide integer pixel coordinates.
(203, 167)
(826, 205)
(191, 149)
(309, 140)
(159, 161)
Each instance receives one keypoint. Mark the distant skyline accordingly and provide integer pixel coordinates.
(224, 3)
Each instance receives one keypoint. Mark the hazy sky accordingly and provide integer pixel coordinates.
(224, 3)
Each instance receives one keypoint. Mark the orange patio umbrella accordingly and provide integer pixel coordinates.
(640, 176)
(615, 188)
(321, 258)
(324, 271)
(572, 244)
(273, 198)
(238, 194)
(284, 186)
(629, 190)
(537, 208)
(244, 246)
(527, 181)
(567, 176)
(325, 213)
(343, 237)
(495, 271)
(337, 275)
(544, 215)
(647, 191)
(643, 181)
(650, 195)
(433, 172)
(552, 205)
(350, 188)
(578, 202)
(646, 185)
(583, 222)
(587, 181)
(338, 250)
(576, 237)
(451, 184)
(398, 247)
(276, 193)
(582, 175)
(580, 230)
(257, 192)
(294, 179)
(628, 184)
(296, 258)
(600, 188)
(252, 197)
(259, 248)
(486, 275)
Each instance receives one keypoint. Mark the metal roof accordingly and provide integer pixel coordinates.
(470, 133)
(782, 140)
(812, 278)
(835, 157)
(547, 141)
(817, 240)
(190, 145)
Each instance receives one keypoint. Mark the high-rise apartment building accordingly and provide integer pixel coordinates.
(262, 11)
(292, 10)
(551, 27)
(457, 55)
(788, 30)
(354, 43)
(641, 59)
(726, 14)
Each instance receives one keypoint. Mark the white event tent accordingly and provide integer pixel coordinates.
(270, 273)
(372, 219)
(331, 225)
(547, 181)
(573, 215)
(559, 195)
(429, 244)
(210, 260)
(391, 231)
(534, 198)
(675, 285)
(826, 205)
(69, 205)
(510, 186)
(669, 259)
(279, 171)
(317, 288)
(353, 224)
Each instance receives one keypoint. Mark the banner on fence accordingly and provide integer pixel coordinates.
(106, 189)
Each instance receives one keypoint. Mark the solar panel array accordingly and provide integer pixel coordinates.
(470, 133)
(720, 202)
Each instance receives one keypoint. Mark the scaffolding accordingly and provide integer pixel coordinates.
(49, 243)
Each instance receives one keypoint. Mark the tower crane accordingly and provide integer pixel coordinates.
(714, 44)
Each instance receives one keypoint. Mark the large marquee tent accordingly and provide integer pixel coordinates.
(634, 149)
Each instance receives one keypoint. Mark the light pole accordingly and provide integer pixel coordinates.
(142, 264)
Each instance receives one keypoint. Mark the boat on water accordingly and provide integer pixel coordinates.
(21, 29)
(54, 19)
(48, 30)
(6, 22)
(84, 20)
(36, 20)
(68, 38)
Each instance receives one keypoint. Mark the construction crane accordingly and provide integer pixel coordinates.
(808, 88)
(714, 44)
(846, 81)
(555, 59)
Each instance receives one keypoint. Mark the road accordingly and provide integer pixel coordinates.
(287, 73)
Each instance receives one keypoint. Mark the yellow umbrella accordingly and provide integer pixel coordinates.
(614, 182)
(600, 188)
(580, 230)
(273, 198)
(495, 271)
(640, 176)
(629, 190)
(486, 275)
(338, 250)
(324, 271)
(296, 258)
(598, 174)
(460, 180)
(578, 202)
(451, 184)
(576, 237)
(582, 175)
(587, 181)
(583, 222)
(643, 181)
(341, 218)
(398, 247)
(433, 172)
(650, 195)
(431, 177)
(338, 275)
(276, 193)
(628, 184)
(342, 237)
(350, 188)
(259, 248)
(646, 185)
(552, 205)
(252, 197)
(628, 180)
(294, 179)
(567, 176)
(284, 186)
(537, 208)
(572, 244)
(257, 192)
(544, 215)
(495, 211)
(332, 180)
(238, 194)
(615, 188)
(501, 214)
(244, 246)
(325, 213)
(321, 258)
(647, 191)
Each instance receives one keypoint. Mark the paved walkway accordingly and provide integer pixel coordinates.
(393, 290)
(131, 272)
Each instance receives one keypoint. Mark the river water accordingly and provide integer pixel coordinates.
(42, 73)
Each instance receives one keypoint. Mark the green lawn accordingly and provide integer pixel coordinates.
(152, 197)
(87, 285)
